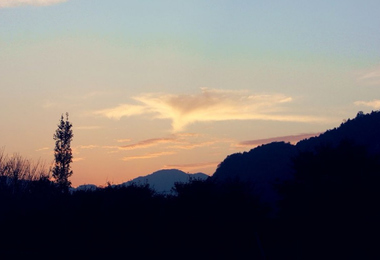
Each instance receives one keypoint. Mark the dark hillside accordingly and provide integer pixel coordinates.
(331, 206)
(261, 167)
(325, 192)
(364, 130)
(272, 163)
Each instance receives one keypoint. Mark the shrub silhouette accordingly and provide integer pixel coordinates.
(329, 209)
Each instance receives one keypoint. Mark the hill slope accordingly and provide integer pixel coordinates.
(163, 181)
(271, 163)
(362, 130)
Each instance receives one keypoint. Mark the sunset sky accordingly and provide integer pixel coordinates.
(179, 84)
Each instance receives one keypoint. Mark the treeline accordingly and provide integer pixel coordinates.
(202, 220)
(329, 210)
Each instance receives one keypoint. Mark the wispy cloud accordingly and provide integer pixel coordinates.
(289, 138)
(192, 166)
(370, 77)
(91, 127)
(147, 156)
(185, 141)
(78, 159)
(15, 3)
(209, 105)
(123, 140)
(192, 145)
(375, 104)
(91, 146)
(122, 111)
(78, 148)
(44, 149)
(147, 143)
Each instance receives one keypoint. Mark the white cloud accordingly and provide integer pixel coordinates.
(370, 77)
(209, 105)
(375, 104)
(15, 3)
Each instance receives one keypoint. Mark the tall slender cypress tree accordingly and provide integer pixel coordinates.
(63, 154)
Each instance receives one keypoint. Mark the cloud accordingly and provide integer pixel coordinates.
(91, 146)
(77, 149)
(78, 159)
(123, 140)
(192, 145)
(15, 3)
(147, 156)
(147, 143)
(184, 141)
(44, 149)
(209, 105)
(375, 104)
(122, 111)
(289, 138)
(370, 77)
(193, 166)
(94, 127)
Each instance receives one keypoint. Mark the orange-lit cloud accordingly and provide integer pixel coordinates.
(91, 146)
(289, 138)
(123, 140)
(78, 159)
(15, 3)
(375, 104)
(44, 149)
(147, 156)
(122, 111)
(193, 166)
(192, 145)
(209, 105)
(147, 143)
(92, 127)
(185, 141)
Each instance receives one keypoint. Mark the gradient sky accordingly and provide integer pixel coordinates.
(180, 84)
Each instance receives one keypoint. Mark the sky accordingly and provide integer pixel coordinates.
(161, 84)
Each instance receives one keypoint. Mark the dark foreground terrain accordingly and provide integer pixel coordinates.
(326, 207)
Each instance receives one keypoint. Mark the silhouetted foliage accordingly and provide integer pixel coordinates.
(63, 154)
(327, 207)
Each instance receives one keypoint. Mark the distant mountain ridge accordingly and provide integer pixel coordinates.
(163, 181)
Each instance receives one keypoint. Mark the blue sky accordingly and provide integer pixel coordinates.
(155, 84)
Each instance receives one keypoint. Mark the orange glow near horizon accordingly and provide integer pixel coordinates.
(147, 86)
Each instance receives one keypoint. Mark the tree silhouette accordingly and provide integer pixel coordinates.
(63, 154)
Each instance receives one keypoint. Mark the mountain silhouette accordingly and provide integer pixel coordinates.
(163, 181)
(270, 164)
(362, 130)
(261, 167)
(85, 187)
